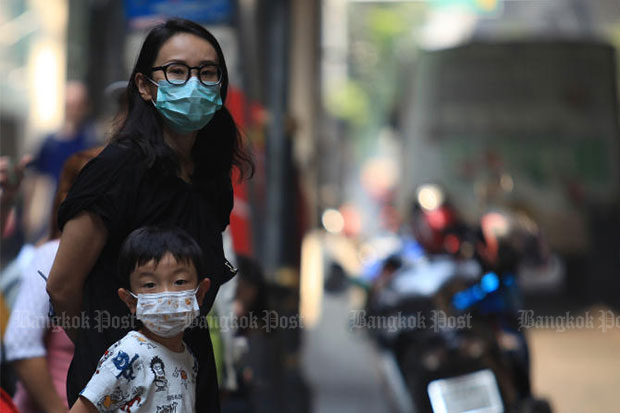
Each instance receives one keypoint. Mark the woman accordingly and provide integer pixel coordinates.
(39, 355)
(169, 164)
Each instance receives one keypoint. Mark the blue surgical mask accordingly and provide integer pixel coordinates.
(187, 107)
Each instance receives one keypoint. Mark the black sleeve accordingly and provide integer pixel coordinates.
(225, 201)
(106, 186)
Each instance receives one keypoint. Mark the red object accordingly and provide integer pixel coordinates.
(452, 244)
(437, 226)
(436, 222)
(241, 218)
(247, 115)
(6, 404)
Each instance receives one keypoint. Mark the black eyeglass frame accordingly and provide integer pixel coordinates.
(164, 68)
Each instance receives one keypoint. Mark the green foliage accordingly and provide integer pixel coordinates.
(349, 102)
(387, 24)
(381, 38)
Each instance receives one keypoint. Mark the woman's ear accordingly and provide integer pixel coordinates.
(203, 287)
(128, 299)
(144, 87)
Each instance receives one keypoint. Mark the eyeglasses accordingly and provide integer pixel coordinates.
(179, 73)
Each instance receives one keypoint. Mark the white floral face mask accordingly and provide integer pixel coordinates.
(167, 314)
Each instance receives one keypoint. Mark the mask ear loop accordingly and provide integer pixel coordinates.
(153, 82)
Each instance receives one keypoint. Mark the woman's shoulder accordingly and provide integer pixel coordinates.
(120, 151)
(115, 161)
(107, 186)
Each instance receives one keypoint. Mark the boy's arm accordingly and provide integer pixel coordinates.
(120, 378)
(83, 405)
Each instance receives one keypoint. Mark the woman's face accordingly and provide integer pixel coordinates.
(182, 47)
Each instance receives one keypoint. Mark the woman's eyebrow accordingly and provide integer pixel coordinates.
(174, 61)
(202, 62)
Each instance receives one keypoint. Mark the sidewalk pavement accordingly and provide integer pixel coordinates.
(341, 365)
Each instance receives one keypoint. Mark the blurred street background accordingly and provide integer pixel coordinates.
(350, 108)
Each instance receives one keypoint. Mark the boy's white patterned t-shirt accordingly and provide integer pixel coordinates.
(139, 375)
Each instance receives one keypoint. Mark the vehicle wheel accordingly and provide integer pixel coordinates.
(532, 405)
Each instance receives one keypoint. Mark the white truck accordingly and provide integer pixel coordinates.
(533, 125)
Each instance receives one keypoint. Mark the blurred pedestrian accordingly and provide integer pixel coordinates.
(11, 206)
(77, 133)
(170, 163)
(13, 251)
(11, 175)
(251, 345)
(39, 354)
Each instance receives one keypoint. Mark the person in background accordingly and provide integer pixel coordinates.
(11, 176)
(77, 133)
(250, 346)
(40, 355)
(10, 181)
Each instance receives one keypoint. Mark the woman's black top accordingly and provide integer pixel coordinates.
(120, 188)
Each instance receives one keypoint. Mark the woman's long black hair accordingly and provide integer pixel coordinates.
(218, 146)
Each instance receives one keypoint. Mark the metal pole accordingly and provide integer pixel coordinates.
(276, 157)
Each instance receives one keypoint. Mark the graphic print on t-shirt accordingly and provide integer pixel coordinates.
(157, 366)
(145, 342)
(136, 398)
(106, 356)
(116, 400)
(182, 374)
(122, 363)
(168, 408)
(111, 400)
(138, 375)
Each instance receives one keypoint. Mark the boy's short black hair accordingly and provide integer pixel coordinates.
(152, 243)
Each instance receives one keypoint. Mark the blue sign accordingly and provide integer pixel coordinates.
(200, 11)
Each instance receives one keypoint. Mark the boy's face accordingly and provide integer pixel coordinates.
(166, 275)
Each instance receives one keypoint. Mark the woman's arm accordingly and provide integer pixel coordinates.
(34, 374)
(82, 240)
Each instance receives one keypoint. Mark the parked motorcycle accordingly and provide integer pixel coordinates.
(459, 348)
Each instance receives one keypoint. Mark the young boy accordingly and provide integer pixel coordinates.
(151, 369)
